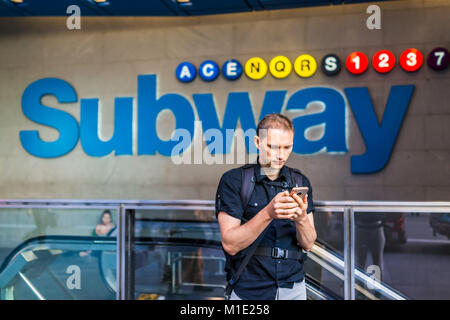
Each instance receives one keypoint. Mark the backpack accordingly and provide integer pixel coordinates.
(248, 184)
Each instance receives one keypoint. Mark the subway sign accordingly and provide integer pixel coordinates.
(379, 137)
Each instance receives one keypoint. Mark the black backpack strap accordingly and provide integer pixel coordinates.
(250, 251)
(248, 184)
(296, 177)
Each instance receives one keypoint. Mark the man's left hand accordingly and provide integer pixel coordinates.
(302, 207)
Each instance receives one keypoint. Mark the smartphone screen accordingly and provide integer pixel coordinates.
(300, 191)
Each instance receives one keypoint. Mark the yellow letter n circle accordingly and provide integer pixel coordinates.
(255, 68)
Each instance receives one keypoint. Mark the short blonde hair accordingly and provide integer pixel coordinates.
(274, 121)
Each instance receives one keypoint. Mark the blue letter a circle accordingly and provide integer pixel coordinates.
(186, 72)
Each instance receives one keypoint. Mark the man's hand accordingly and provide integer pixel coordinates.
(283, 206)
(237, 236)
(304, 223)
(301, 214)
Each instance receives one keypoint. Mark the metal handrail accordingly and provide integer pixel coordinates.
(358, 206)
(321, 256)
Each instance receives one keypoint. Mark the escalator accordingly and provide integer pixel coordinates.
(59, 268)
(326, 260)
(68, 267)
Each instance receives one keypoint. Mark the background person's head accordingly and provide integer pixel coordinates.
(274, 140)
(106, 217)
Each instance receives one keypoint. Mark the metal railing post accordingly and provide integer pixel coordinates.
(125, 254)
(120, 254)
(349, 254)
(129, 254)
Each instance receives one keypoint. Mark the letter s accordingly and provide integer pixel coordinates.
(62, 121)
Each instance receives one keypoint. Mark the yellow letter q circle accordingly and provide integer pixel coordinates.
(280, 67)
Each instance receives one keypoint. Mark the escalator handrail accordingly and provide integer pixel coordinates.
(337, 261)
(51, 239)
(317, 286)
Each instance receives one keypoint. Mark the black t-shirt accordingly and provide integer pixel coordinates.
(262, 275)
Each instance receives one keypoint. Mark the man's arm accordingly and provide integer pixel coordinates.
(306, 233)
(237, 236)
(304, 224)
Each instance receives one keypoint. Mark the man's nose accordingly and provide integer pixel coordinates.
(281, 154)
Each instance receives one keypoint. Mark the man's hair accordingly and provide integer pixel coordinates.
(274, 121)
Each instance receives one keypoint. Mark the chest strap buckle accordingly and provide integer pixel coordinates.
(278, 253)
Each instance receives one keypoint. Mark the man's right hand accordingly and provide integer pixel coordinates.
(282, 206)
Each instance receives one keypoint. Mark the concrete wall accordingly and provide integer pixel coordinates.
(104, 58)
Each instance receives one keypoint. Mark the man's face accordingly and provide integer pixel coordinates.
(275, 146)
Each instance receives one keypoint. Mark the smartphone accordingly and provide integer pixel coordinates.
(300, 191)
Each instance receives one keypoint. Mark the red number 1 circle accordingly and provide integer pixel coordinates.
(383, 61)
(357, 62)
(411, 60)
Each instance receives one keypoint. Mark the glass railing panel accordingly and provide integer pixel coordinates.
(409, 252)
(328, 274)
(178, 271)
(57, 253)
(59, 268)
(329, 226)
(193, 266)
(177, 224)
(178, 254)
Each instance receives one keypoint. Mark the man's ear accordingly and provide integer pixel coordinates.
(256, 140)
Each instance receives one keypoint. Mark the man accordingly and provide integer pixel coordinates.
(289, 219)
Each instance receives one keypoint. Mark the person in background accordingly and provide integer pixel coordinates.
(103, 228)
(105, 224)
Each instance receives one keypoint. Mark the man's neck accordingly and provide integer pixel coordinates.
(271, 173)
